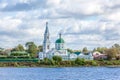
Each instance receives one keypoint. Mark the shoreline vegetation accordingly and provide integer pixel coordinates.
(20, 57)
(58, 63)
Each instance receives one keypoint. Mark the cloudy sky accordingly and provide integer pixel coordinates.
(89, 23)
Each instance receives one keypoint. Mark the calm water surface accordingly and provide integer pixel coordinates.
(81, 73)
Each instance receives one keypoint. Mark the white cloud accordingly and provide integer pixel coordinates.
(8, 23)
(89, 23)
(53, 2)
(3, 5)
(114, 16)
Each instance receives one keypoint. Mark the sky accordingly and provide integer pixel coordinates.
(83, 23)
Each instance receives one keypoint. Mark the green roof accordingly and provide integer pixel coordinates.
(77, 53)
(60, 40)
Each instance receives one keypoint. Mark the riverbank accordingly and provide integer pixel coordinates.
(113, 63)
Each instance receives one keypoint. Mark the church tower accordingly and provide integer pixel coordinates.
(46, 42)
(59, 44)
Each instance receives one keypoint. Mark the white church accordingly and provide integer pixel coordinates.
(59, 49)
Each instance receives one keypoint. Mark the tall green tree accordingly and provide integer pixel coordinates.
(111, 53)
(32, 49)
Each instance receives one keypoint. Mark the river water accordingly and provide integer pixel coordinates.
(68, 73)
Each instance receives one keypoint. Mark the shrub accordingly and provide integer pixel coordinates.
(79, 61)
(57, 58)
(48, 61)
(94, 63)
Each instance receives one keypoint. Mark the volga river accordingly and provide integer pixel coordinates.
(74, 73)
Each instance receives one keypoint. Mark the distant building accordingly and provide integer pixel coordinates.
(86, 56)
(59, 49)
(75, 55)
(97, 55)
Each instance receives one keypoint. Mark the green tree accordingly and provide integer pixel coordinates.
(40, 48)
(48, 61)
(70, 50)
(101, 49)
(28, 44)
(57, 58)
(79, 61)
(32, 49)
(85, 50)
(19, 48)
(116, 46)
(111, 53)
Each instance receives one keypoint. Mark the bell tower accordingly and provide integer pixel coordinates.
(46, 42)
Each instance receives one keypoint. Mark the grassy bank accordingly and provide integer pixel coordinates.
(51, 63)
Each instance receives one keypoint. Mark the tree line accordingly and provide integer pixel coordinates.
(111, 52)
(31, 48)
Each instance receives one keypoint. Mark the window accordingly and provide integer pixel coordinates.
(47, 37)
(62, 46)
(48, 47)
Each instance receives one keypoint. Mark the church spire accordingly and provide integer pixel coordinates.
(60, 35)
(47, 30)
(46, 42)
